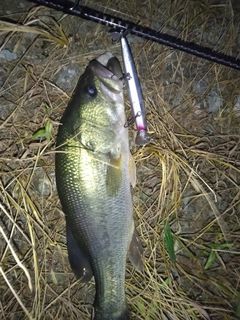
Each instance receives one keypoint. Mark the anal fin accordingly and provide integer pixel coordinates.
(136, 252)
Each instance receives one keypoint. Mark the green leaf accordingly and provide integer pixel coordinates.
(221, 246)
(141, 308)
(165, 283)
(169, 241)
(41, 133)
(48, 110)
(48, 129)
(215, 247)
(238, 310)
(210, 259)
(44, 133)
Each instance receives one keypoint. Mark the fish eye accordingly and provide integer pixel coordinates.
(91, 90)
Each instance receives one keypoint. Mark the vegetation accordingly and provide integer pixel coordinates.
(186, 201)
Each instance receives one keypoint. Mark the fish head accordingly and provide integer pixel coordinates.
(106, 72)
(101, 81)
(97, 107)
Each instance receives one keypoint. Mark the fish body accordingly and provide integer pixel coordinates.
(134, 89)
(94, 170)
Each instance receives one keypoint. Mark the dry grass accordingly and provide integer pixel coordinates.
(188, 178)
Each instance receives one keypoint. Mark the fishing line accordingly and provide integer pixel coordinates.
(73, 8)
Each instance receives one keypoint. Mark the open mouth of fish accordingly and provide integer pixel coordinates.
(108, 70)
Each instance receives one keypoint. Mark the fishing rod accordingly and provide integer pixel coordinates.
(111, 21)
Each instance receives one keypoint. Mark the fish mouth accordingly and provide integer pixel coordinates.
(109, 61)
(107, 68)
(101, 70)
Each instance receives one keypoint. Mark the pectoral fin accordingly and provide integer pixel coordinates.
(114, 175)
(136, 252)
(78, 260)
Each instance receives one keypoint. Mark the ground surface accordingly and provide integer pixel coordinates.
(188, 178)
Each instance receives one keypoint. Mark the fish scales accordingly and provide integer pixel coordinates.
(106, 250)
(93, 181)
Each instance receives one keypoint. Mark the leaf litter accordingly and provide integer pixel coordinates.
(186, 201)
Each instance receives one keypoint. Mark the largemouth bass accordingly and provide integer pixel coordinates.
(94, 170)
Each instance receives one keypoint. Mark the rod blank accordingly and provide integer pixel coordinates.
(140, 31)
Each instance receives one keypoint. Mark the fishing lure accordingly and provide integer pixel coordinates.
(134, 89)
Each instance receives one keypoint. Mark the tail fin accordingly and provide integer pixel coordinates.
(113, 316)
